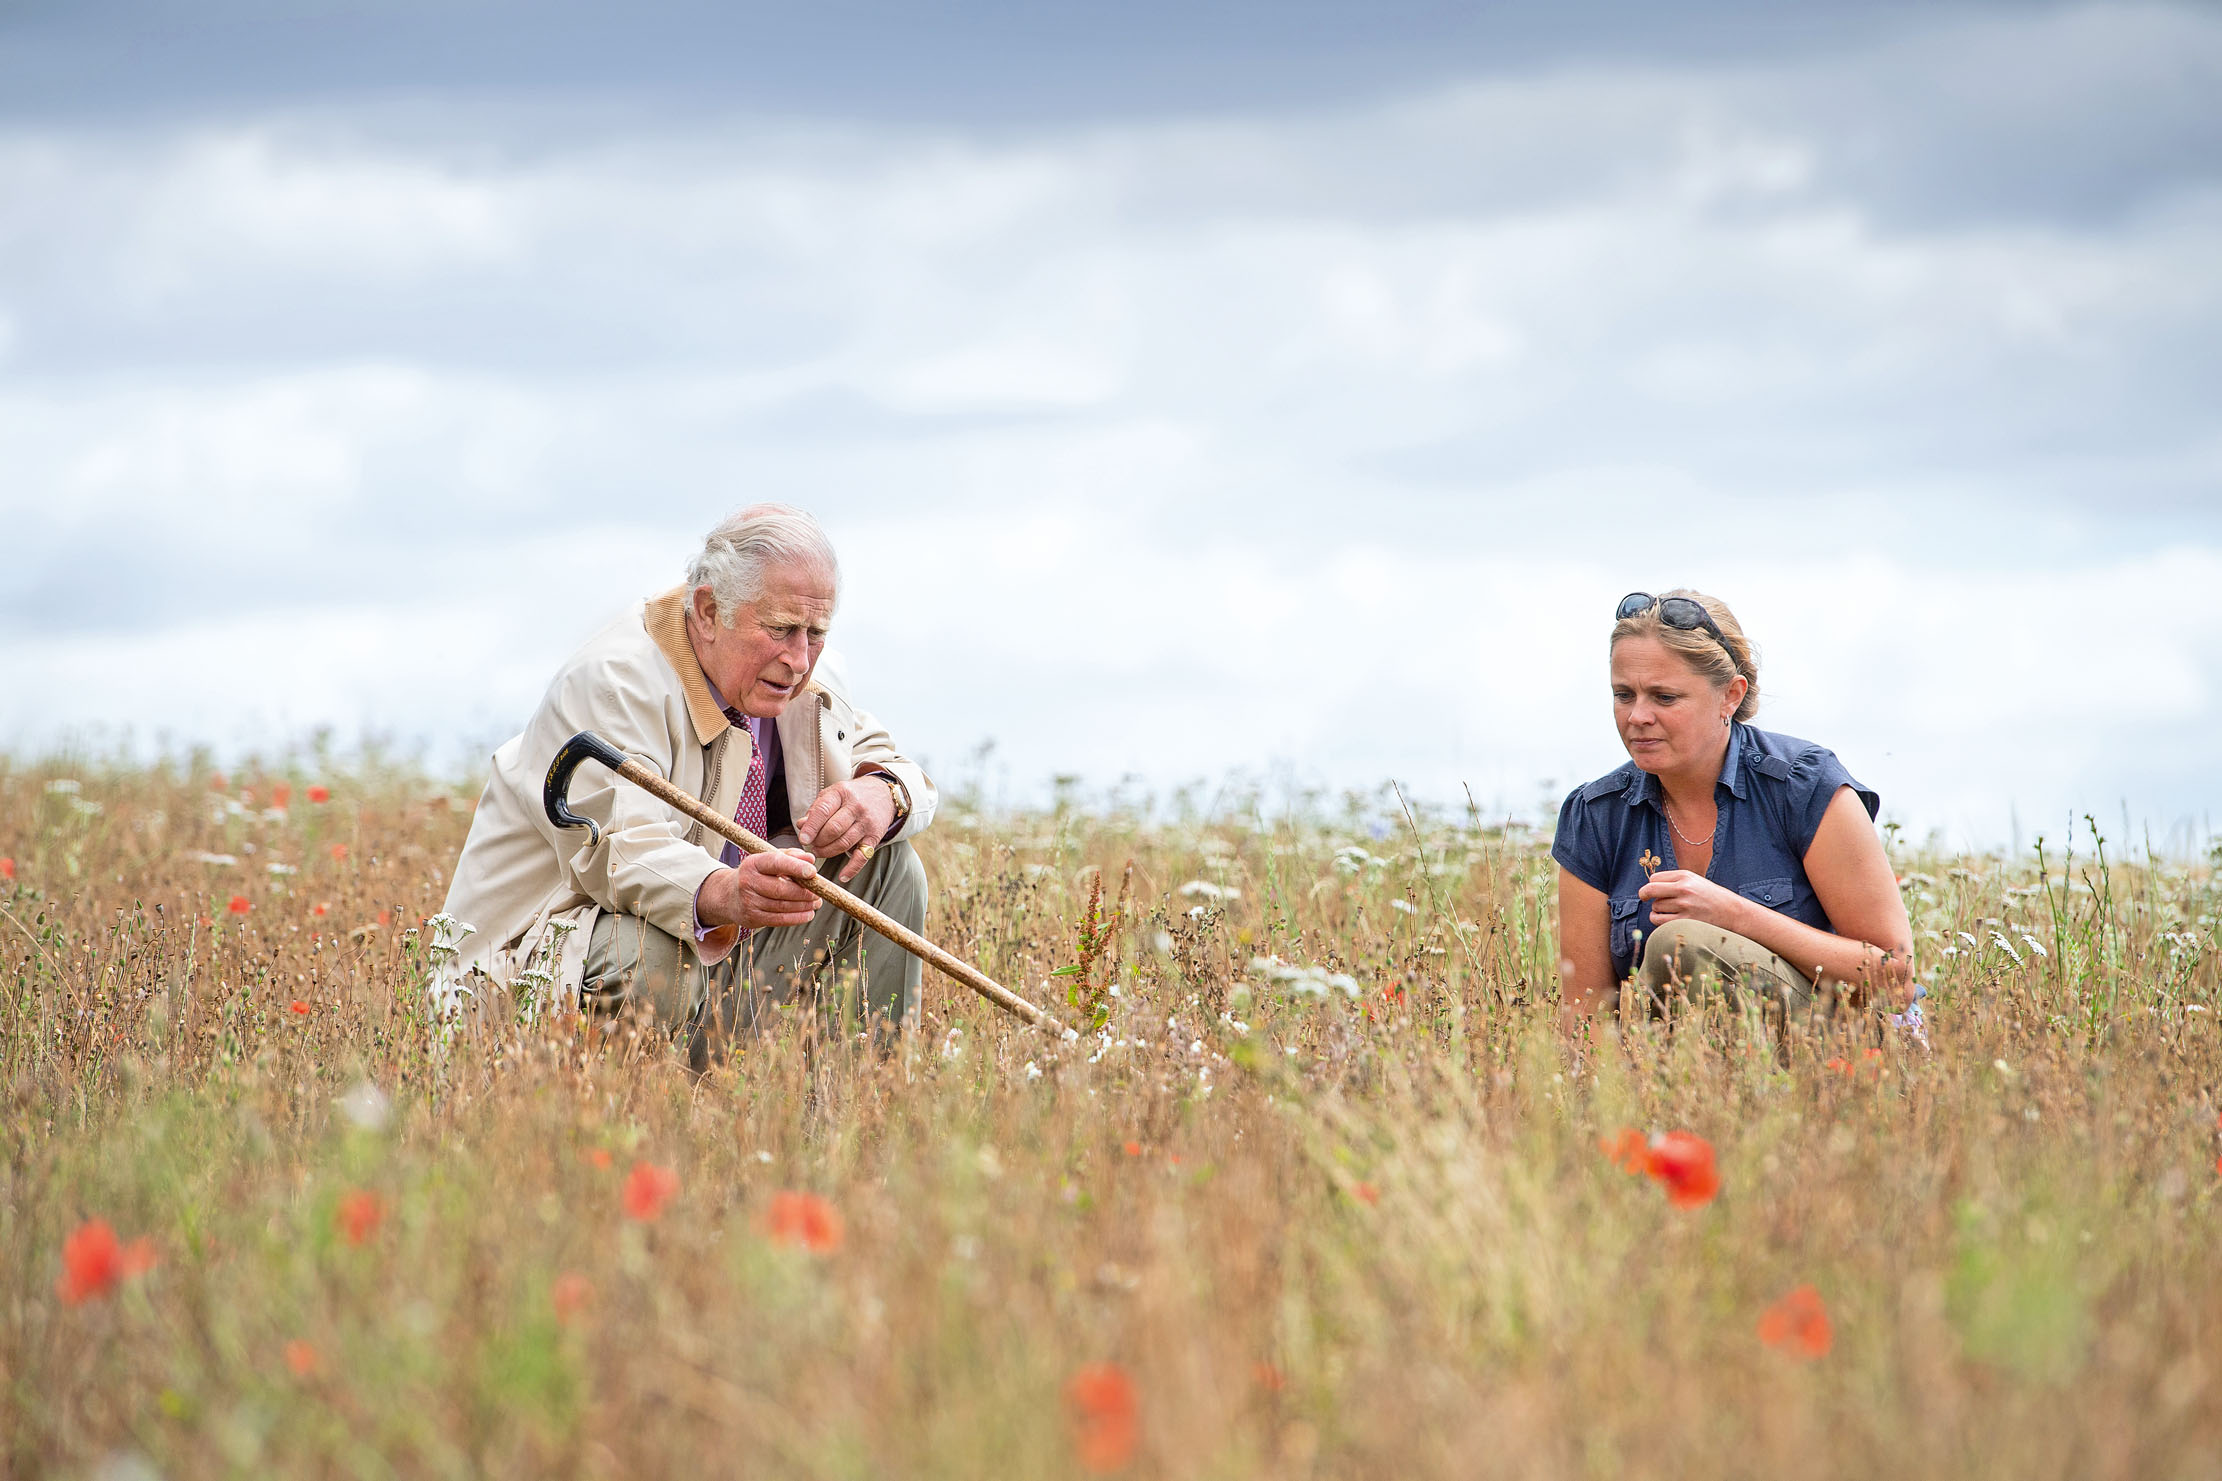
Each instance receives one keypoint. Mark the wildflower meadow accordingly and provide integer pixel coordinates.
(1321, 1188)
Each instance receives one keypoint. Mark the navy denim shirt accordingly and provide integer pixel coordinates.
(1772, 793)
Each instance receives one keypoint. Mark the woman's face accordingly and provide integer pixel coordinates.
(1670, 716)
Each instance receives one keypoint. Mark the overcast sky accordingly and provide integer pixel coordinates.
(1264, 387)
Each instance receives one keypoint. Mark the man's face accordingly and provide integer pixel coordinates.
(765, 657)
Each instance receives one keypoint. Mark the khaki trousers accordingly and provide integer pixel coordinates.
(854, 976)
(1683, 953)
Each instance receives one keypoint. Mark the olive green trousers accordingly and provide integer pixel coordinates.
(855, 977)
(1684, 953)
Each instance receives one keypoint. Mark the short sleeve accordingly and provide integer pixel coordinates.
(1814, 780)
(1579, 844)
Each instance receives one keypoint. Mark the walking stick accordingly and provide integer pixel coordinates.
(586, 744)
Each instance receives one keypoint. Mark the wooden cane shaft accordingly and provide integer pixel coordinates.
(826, 890)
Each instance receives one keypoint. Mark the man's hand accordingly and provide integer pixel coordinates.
(762, 890)
(846, 816)
(1682, 894)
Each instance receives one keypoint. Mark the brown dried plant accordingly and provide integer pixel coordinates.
(258, 1215)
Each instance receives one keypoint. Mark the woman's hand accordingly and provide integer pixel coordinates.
(1683, 894)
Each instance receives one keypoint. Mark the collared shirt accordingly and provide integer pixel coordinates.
(763, 735)
(1772, 793)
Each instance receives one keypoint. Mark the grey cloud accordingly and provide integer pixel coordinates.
(981, 63)
(1177, 423)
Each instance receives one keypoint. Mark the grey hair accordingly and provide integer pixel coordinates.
(745, 544)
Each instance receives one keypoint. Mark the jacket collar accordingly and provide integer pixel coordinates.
(665, 617)
(1646, 786)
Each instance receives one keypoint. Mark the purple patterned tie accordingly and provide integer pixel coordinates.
(750, 814)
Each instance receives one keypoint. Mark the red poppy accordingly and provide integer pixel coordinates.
(599, 1156)
(648, 1188)
(571, 1294)
(385, 917)
(95, 1262)
(320, 909)
(280, 795)
(1840, 1064)
(807, 1220)
(239, 905)
(339, 850)
(302, 1358)
(1365, 1193)
(1105, 1417)
(298, 1007)
(1682, 1163)
(1268, 1376)
(217, 783)
(1132, 1149)
(7, 868)
(358, 1216)
(1798, 1324)
(1626, 1150)
(320, 794)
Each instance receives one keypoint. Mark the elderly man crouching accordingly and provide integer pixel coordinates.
(719, 686)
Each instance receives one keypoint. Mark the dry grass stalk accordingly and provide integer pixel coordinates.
(1324, 1229)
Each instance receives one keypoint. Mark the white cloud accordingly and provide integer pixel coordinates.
(1171, 447)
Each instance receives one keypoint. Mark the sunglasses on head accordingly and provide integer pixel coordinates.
(1677, 612)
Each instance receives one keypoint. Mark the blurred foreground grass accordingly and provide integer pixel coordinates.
(1324, 1196)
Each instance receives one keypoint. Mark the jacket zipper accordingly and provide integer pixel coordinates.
(717, 773)
(825, 762)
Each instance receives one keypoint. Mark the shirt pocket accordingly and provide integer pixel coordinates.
(1625, 911)
(1772, 893)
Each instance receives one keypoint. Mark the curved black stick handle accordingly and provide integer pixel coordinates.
(556, 794)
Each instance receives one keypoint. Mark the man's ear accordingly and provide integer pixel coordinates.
(702, 605)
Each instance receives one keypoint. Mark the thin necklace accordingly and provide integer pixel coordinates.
(1668, 808)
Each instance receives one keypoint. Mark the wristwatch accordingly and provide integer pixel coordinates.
(899, 792)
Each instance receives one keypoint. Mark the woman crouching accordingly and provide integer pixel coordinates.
(1720, 851)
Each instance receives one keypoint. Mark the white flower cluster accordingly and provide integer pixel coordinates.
(1998, 940)
(1204, 889)
(1312, 982)
(68, 788)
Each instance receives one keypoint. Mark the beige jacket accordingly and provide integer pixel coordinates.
(529, 890)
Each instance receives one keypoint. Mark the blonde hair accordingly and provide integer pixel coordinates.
(1695, 646)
